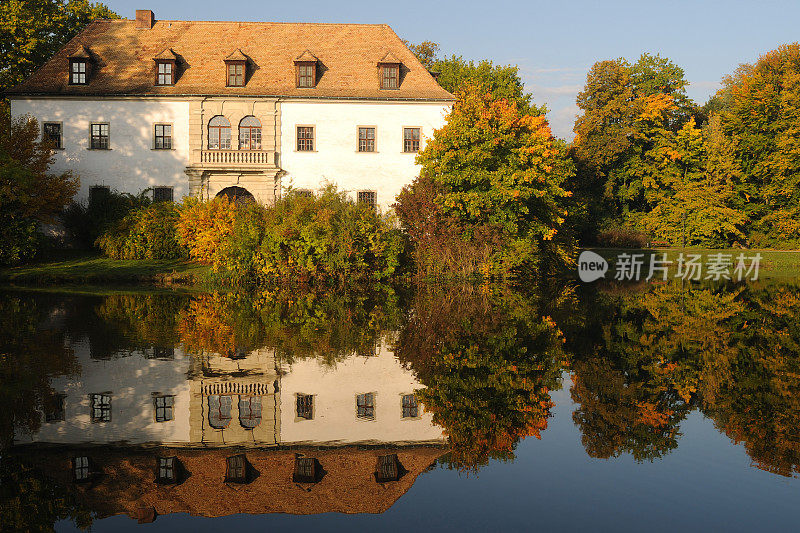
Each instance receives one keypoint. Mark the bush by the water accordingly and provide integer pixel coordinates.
(321, 239)
(327, 238)
(149, 232)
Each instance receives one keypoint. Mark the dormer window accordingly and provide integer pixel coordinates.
(80, 66)
(165, 72)
(236, 69)
(166, 67)
(235, 74)
(306, 70)
(389, 70)
(78, 72)
(391, 77)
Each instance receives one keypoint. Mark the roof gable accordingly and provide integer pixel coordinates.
(123, 57)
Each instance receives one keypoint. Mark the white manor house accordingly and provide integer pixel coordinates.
(235, 108)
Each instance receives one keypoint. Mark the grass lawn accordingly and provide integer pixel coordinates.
(774, 263)
(92, 269)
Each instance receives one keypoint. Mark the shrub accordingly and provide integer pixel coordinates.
(323, 239)
(145, 233)
(84, 223)
(622, 237)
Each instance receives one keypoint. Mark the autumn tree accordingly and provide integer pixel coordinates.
(500, 171)
(29, 193)
(759, 107)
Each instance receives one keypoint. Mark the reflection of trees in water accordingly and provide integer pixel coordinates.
(488, 361)
(657, 353)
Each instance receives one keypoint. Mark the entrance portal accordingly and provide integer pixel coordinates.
(237, 195)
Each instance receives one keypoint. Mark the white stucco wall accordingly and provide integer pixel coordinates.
(335, 389)
(131, 165)
(131, 380)
(336, 157)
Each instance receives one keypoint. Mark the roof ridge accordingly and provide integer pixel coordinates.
(376, 24)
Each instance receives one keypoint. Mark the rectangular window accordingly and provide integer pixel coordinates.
(163, 137)
(388, 468)
(365, 406)
(305, 76)
(165, 73)
(305, 193)
(236, 469)
(99, 140)
(80, 468)
(163, 194)
(368, 198)
(101, 407)
(305, 138)
(305, 406)
(236, 74)
(305, 470)
(411, 139)
(164, 408)
(98, 193)
(166, 470)
(78, 72)
(410, 409)
(54, 408)
(366, 139)
(51, 131)
(391, 77)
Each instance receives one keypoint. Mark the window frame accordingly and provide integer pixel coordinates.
(250, 130)
(299, 77)
(418, 140)
(403, 407)
(301, 397)
(172, 68)
(45, 136)
(366, 401)
(60, 413)
(313, 138)
(367, 139)
(103, 408)
(100, 137)
(163, 136)
(219, 129)
(72, 72)
(229, 407)
(360, 201)
(386, 67)
(248, 399)
(170, 465)
(236, 476)
(243, 75)
(85, 467)
(92, 188)
(167, 410)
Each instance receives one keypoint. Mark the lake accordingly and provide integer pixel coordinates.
(606, 406)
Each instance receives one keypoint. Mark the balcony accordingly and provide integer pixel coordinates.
(236, 159)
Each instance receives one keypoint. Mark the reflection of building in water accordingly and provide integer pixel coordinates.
(181, 432)
(167, 397)
(126, 480)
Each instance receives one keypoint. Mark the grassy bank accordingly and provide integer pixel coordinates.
(93, 269)
(774, 263)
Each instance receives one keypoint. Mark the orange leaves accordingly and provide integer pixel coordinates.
(205, 226)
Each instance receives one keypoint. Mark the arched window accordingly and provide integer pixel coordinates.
(219, 411)
(219, 133)
(250, 133)
(249, 411)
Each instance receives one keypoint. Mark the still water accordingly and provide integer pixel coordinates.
(601, 407)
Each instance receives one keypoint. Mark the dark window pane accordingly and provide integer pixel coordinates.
(305, 138)
(410, 409)
(305, 406)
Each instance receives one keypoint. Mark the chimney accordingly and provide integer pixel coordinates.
(144, 19)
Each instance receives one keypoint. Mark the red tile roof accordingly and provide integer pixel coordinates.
(348, 54)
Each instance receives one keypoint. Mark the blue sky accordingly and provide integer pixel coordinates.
(554, 43)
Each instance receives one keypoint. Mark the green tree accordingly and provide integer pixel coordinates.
(32, 31)
(760, 110)
(29, 194)
(499, 168)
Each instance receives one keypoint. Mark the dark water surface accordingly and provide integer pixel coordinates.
(605, 407)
